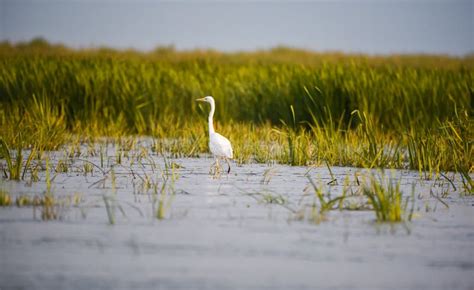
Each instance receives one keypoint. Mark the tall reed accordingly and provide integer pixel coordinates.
(284, 105)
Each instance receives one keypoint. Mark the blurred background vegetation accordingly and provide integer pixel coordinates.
(47, 90)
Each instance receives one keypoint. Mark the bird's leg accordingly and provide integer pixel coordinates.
(212, 169)
(218, 167)
(228, 163)
(215, 169)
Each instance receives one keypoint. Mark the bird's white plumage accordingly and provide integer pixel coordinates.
(219, 145)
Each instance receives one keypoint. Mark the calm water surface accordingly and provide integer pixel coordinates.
(252, 229)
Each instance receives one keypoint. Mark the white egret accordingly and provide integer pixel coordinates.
(219, 145)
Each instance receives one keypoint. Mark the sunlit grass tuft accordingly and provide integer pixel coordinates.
(387, 200)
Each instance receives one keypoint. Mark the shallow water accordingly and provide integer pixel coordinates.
(232, 232)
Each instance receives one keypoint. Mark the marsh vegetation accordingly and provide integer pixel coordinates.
(289, 106)
(360, 148)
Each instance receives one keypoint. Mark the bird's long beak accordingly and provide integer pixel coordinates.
(201, 100)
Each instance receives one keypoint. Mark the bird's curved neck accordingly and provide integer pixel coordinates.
(211, 115)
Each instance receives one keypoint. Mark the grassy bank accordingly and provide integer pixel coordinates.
(286, 105)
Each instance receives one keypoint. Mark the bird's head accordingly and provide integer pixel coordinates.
(207, 99)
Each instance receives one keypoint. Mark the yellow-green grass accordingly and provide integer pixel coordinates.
(387, 200)
(289, 106)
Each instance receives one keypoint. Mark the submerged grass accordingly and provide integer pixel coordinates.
(287, 106)
(5, 198)
(376, 193)
(387, 200)
(15, 169)
(163, 194)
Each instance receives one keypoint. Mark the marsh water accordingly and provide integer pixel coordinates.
(177, 227)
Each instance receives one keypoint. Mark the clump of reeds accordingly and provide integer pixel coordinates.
(5, 198)
(387, 200)
(15, 169)
(283, 105)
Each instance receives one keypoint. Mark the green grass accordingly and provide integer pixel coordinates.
(326, 203)
(15, 169)
(5, 198)
(387, 200)
(164, 193)
(290, 106)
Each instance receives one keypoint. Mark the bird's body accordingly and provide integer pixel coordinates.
(219, 145)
